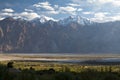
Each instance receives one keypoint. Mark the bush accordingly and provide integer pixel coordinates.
(112, 77)
(64, 76)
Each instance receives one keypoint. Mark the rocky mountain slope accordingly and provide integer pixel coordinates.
(70, 35)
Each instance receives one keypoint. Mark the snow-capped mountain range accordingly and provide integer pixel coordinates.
(65, 21)
(71, 19)
(69, 35)
(75, 19)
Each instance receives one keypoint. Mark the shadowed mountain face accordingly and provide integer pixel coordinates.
(21, 36)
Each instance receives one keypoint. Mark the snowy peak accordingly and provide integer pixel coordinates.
(75, 19)
(43, 19)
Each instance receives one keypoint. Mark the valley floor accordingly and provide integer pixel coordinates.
(82, 59)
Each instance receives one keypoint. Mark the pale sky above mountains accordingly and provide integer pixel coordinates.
(95, 10)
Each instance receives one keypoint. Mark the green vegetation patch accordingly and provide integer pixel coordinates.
(26, 70)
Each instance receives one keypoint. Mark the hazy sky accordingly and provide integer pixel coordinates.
(96, 10)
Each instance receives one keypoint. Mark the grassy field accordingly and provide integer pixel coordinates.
(56, 71)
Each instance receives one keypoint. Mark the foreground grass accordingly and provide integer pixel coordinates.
(56, 71)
